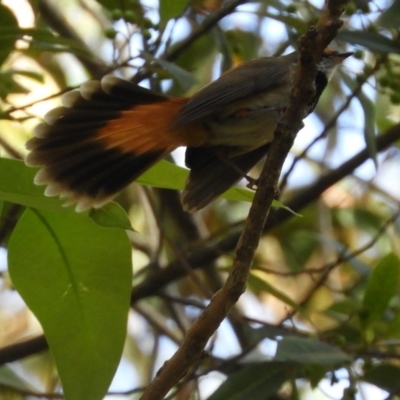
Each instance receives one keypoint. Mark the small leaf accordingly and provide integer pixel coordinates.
(256, 335)
(382, 286)
(369, 125)
(171, 9)
(371, 40)
(255, 381)
(45, 40)
(76, 278)
(7, 19)
(261, 285)
(309, 351)
(112, 215)
(185, 79)
(391, 17)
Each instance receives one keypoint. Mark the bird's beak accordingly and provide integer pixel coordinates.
(344, 55)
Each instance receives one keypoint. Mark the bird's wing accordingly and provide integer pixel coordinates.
(238, 83)
(210, 176)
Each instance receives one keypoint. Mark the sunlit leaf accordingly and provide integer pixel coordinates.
(76, 278)
(43, 39)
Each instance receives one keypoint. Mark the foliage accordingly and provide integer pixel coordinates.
(323, 300)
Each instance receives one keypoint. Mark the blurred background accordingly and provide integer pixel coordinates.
(328, 274)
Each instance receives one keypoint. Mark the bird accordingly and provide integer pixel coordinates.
(109, 132)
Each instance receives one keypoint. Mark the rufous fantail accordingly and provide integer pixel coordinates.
(109, 132)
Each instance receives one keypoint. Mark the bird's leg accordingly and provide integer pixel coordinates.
(224, 155)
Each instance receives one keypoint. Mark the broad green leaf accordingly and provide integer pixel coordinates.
(382, 286)
(255, 381)
(385, 376)
(76, 278)
(171, 9)
(16, 186)
(371, 40)
(309, 351)
(7, 19)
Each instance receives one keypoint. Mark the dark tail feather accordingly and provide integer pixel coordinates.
(99, 142)
(210, 176)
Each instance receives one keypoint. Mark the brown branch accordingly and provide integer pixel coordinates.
(191, 350)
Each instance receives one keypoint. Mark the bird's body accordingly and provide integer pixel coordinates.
(110, 132)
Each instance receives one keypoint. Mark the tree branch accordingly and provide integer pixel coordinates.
(191, 350)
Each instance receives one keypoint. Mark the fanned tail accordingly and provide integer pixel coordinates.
(106, 135)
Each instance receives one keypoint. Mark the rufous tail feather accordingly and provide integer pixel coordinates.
(106, 135)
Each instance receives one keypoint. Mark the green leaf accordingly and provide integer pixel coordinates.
(256, 335)
(7, 19)
(9, 85)
(43, 39)
(16, 186)
(171, 9)
(385, 376)
(369, 125)
(167, 175)
(371, 40)
(76, 278)
(262, 286)
(255, 381)
(309, 351)
(111, 215)
(391, 17)
(382, 286)
(185, 79)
